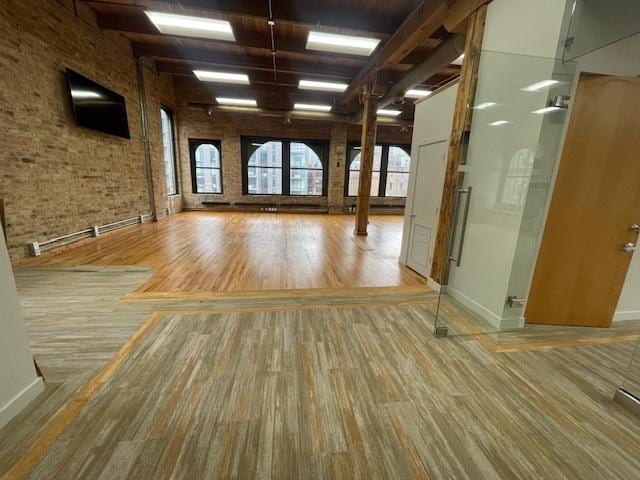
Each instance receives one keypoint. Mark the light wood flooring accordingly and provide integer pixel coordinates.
(231, 252)
(192, 388)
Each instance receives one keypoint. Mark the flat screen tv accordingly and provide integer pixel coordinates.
(97, 107)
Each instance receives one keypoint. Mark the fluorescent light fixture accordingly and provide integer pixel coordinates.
(221, 77)
(388, 113)
(332, 42)
(484, 105)
(257, 144)
(244, 102)
(201, 27)
(315, 108)
(542, 111)
(497, 123)
(536, 87)
(459, 60)
(417, 93)
(85, 94)
(322, 86)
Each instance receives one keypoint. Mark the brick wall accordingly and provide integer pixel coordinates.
(55, 177)
(229, 127)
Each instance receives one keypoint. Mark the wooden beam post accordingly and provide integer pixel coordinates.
(367, 147)
(458, 140)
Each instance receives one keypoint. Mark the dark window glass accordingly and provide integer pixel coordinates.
(206, 166)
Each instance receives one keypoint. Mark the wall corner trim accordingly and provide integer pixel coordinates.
(14, 406)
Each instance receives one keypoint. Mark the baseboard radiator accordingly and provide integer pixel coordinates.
(265, 207)
(36, 248)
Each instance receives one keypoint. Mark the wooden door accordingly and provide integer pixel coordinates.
(427, 194)
(582, 266)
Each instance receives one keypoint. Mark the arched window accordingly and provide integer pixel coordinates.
(390, 176)
(264, 169)
(284, 167)
(206, 166)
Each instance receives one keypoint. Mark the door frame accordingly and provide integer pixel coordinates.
(406, 227)
(579, 74)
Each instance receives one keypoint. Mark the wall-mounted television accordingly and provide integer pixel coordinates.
(97, 107)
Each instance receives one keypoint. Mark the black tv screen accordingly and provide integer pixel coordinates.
(97, 107)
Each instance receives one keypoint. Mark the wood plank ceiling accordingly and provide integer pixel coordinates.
(273, 88)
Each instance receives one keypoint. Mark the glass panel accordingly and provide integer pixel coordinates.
(208, 180)
(508, 166)
(303, 157)
(264, 181)
(305, 182)
(207, 155)
(267, 155)
(399, 160)
(167, 152)
(354, 180)
(597, 23)
(377, 159)
(397, 184)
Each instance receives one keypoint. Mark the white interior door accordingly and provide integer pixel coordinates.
(425, 205)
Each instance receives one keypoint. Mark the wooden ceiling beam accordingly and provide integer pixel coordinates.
(430, 16)
(350, 20)
(225, 60)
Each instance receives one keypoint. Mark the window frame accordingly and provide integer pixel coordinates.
(320, 147)
(176, 181)
(194, 143)
(384, 167)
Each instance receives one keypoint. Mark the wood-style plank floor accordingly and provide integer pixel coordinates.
(225, 251)
(196, 389)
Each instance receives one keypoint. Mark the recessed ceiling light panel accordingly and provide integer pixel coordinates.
(417, 93)
(242, 102)
(498, 123)
(388, 113)
(221, 77)
(538, 86)
(315, 108)
(201, 27)
(332, 42)
(484, 105)
(322, 86)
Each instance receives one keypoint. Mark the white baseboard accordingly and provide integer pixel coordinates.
(628, 315)
(21, 400)
(499, 323)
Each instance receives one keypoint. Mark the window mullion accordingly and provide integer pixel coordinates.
(384, 164)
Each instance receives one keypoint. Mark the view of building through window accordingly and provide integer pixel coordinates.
(264, 171)
(390, 164)
(208, 177)
(168, 153)
(305, 171)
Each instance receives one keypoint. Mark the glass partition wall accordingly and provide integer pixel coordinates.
(517, 122)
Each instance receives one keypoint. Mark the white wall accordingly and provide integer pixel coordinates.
(433, 121)
(18, 381)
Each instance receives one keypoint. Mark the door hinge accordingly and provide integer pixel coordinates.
(515, 302)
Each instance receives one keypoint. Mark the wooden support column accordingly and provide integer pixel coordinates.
(459, 139)
(367, 146)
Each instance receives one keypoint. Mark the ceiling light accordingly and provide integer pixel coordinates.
(389, 113)
(417, 93)
(221, 77)
(316, 108)
(542, 111)
(458, 61)
(172, 24)
(331, 42)
(485, 105)
(536, 87)
(85, 94)
(322, 86)
(245, 102)
(498, 123)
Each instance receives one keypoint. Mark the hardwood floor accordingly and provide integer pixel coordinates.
(188, 387)
(223, 251)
